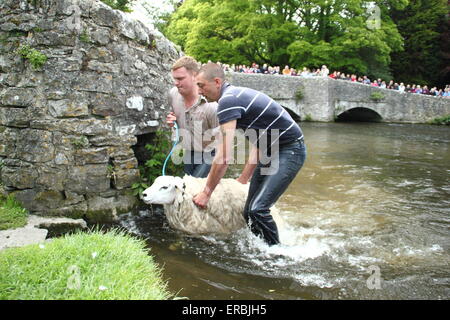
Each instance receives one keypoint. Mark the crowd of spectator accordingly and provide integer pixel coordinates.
(324, 72)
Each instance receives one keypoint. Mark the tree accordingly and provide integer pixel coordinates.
(123, 5)
(158, 12)
(424, 25)
(340, 33)
(295, 32)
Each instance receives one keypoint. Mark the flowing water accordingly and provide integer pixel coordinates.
(368, 217)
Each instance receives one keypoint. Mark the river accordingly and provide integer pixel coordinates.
(368, 217)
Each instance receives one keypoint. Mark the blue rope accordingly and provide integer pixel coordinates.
(173, 148)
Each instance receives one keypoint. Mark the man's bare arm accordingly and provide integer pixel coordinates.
(223, 158)
(220, 163)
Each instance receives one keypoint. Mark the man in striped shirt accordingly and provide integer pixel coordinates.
(270, 129)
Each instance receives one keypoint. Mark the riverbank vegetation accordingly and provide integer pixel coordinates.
(441, 121)
(83, 266)
(12, 215)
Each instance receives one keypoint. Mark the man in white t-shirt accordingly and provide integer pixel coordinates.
(195, 116)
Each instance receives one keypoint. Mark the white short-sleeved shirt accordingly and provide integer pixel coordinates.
(199, 121)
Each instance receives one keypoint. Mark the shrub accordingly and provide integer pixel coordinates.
(376, 96)
(299, 95)
(81, 142)
(35, 57)
(123, 5)
(445, 120)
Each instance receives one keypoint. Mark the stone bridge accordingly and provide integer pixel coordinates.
(325, 99)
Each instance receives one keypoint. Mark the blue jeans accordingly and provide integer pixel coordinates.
(198, 164)
(265, 190)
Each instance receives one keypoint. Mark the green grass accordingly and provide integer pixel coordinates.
(82, 266)
(12, 215)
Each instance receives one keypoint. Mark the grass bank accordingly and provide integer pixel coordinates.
(82, 266)
(12, 215)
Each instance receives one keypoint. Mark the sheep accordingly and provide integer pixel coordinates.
(223, 215)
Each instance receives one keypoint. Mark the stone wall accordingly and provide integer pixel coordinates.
(67, 129)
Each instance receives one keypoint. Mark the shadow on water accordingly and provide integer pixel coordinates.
(366, 218)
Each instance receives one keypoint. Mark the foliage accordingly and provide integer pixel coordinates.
(82, 266)
(36, 58)
(159, 13)
(12, 215)
(299, 95)
(85, 37)
(157, 154)
(123, 5)
(295, 32)
(376, 96)
(445, 120)
(81, 142)
(425, 26)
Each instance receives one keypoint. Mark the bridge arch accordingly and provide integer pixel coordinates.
(359, 114)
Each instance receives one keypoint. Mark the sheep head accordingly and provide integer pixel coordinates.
(163, 190)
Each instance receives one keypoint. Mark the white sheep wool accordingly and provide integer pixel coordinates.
(224, 212)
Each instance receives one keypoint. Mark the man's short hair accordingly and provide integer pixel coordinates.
(187, 62)
(212, 70)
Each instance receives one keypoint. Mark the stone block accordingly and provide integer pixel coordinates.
(19, 177)
(88, 179)
(75, 211)
(40, 200)
(100, 54)
(14, 117)
(21, 237)
(51, 178)
(107, 209)
(124, 173)
(103, 67)
(100, 36)
(113, 140)
(54, 38)
(106, 105)
(103, 15)
(94, 83)
(35, 145)
(8, 142)
(91, 156)
(17, 97)
(120, 152)
(68, 108)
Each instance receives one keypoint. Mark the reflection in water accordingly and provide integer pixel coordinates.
(370, 197)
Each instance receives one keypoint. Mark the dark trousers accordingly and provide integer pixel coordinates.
(198, 164)
(265, 190)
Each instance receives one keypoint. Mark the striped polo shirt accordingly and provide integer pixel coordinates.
(255, 110)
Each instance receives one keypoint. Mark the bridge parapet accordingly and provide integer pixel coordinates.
(325, 99)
